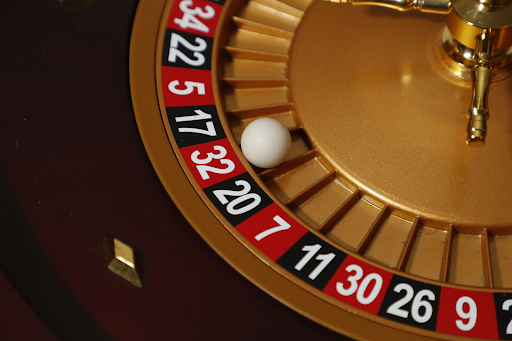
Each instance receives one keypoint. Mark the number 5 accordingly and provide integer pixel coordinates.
(189, 88)
(283, 225)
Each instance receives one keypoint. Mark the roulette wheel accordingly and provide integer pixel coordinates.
(384, 220)
(82, 160)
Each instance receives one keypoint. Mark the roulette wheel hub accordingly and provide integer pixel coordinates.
(395, 126)
(381, 219)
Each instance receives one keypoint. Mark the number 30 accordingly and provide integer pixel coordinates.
(361, 289)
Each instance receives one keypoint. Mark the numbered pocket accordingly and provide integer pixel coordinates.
(359, 284)
(195, 16)
(272, 231)
(238, 198)
(187, 50)
(467, 313)
(412, 302)
(313, 260)
(212, 162)
(194, 125)
(503, 306)
(184, 87)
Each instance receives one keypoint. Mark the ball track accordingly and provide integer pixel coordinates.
(254, 83)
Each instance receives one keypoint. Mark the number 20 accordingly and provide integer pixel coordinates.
(242, 196)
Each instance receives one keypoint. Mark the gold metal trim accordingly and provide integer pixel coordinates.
(121, 261)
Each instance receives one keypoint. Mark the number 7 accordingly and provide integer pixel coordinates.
(283, 225)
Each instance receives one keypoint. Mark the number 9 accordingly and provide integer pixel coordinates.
(471, 314)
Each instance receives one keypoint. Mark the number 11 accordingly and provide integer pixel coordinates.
(312, 250)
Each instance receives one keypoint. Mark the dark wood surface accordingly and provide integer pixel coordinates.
(73, 170)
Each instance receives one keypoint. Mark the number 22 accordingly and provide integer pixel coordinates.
(174, 53)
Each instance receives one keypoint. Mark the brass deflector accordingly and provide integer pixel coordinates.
(121, 260)
(429, 6)
(481, 77)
